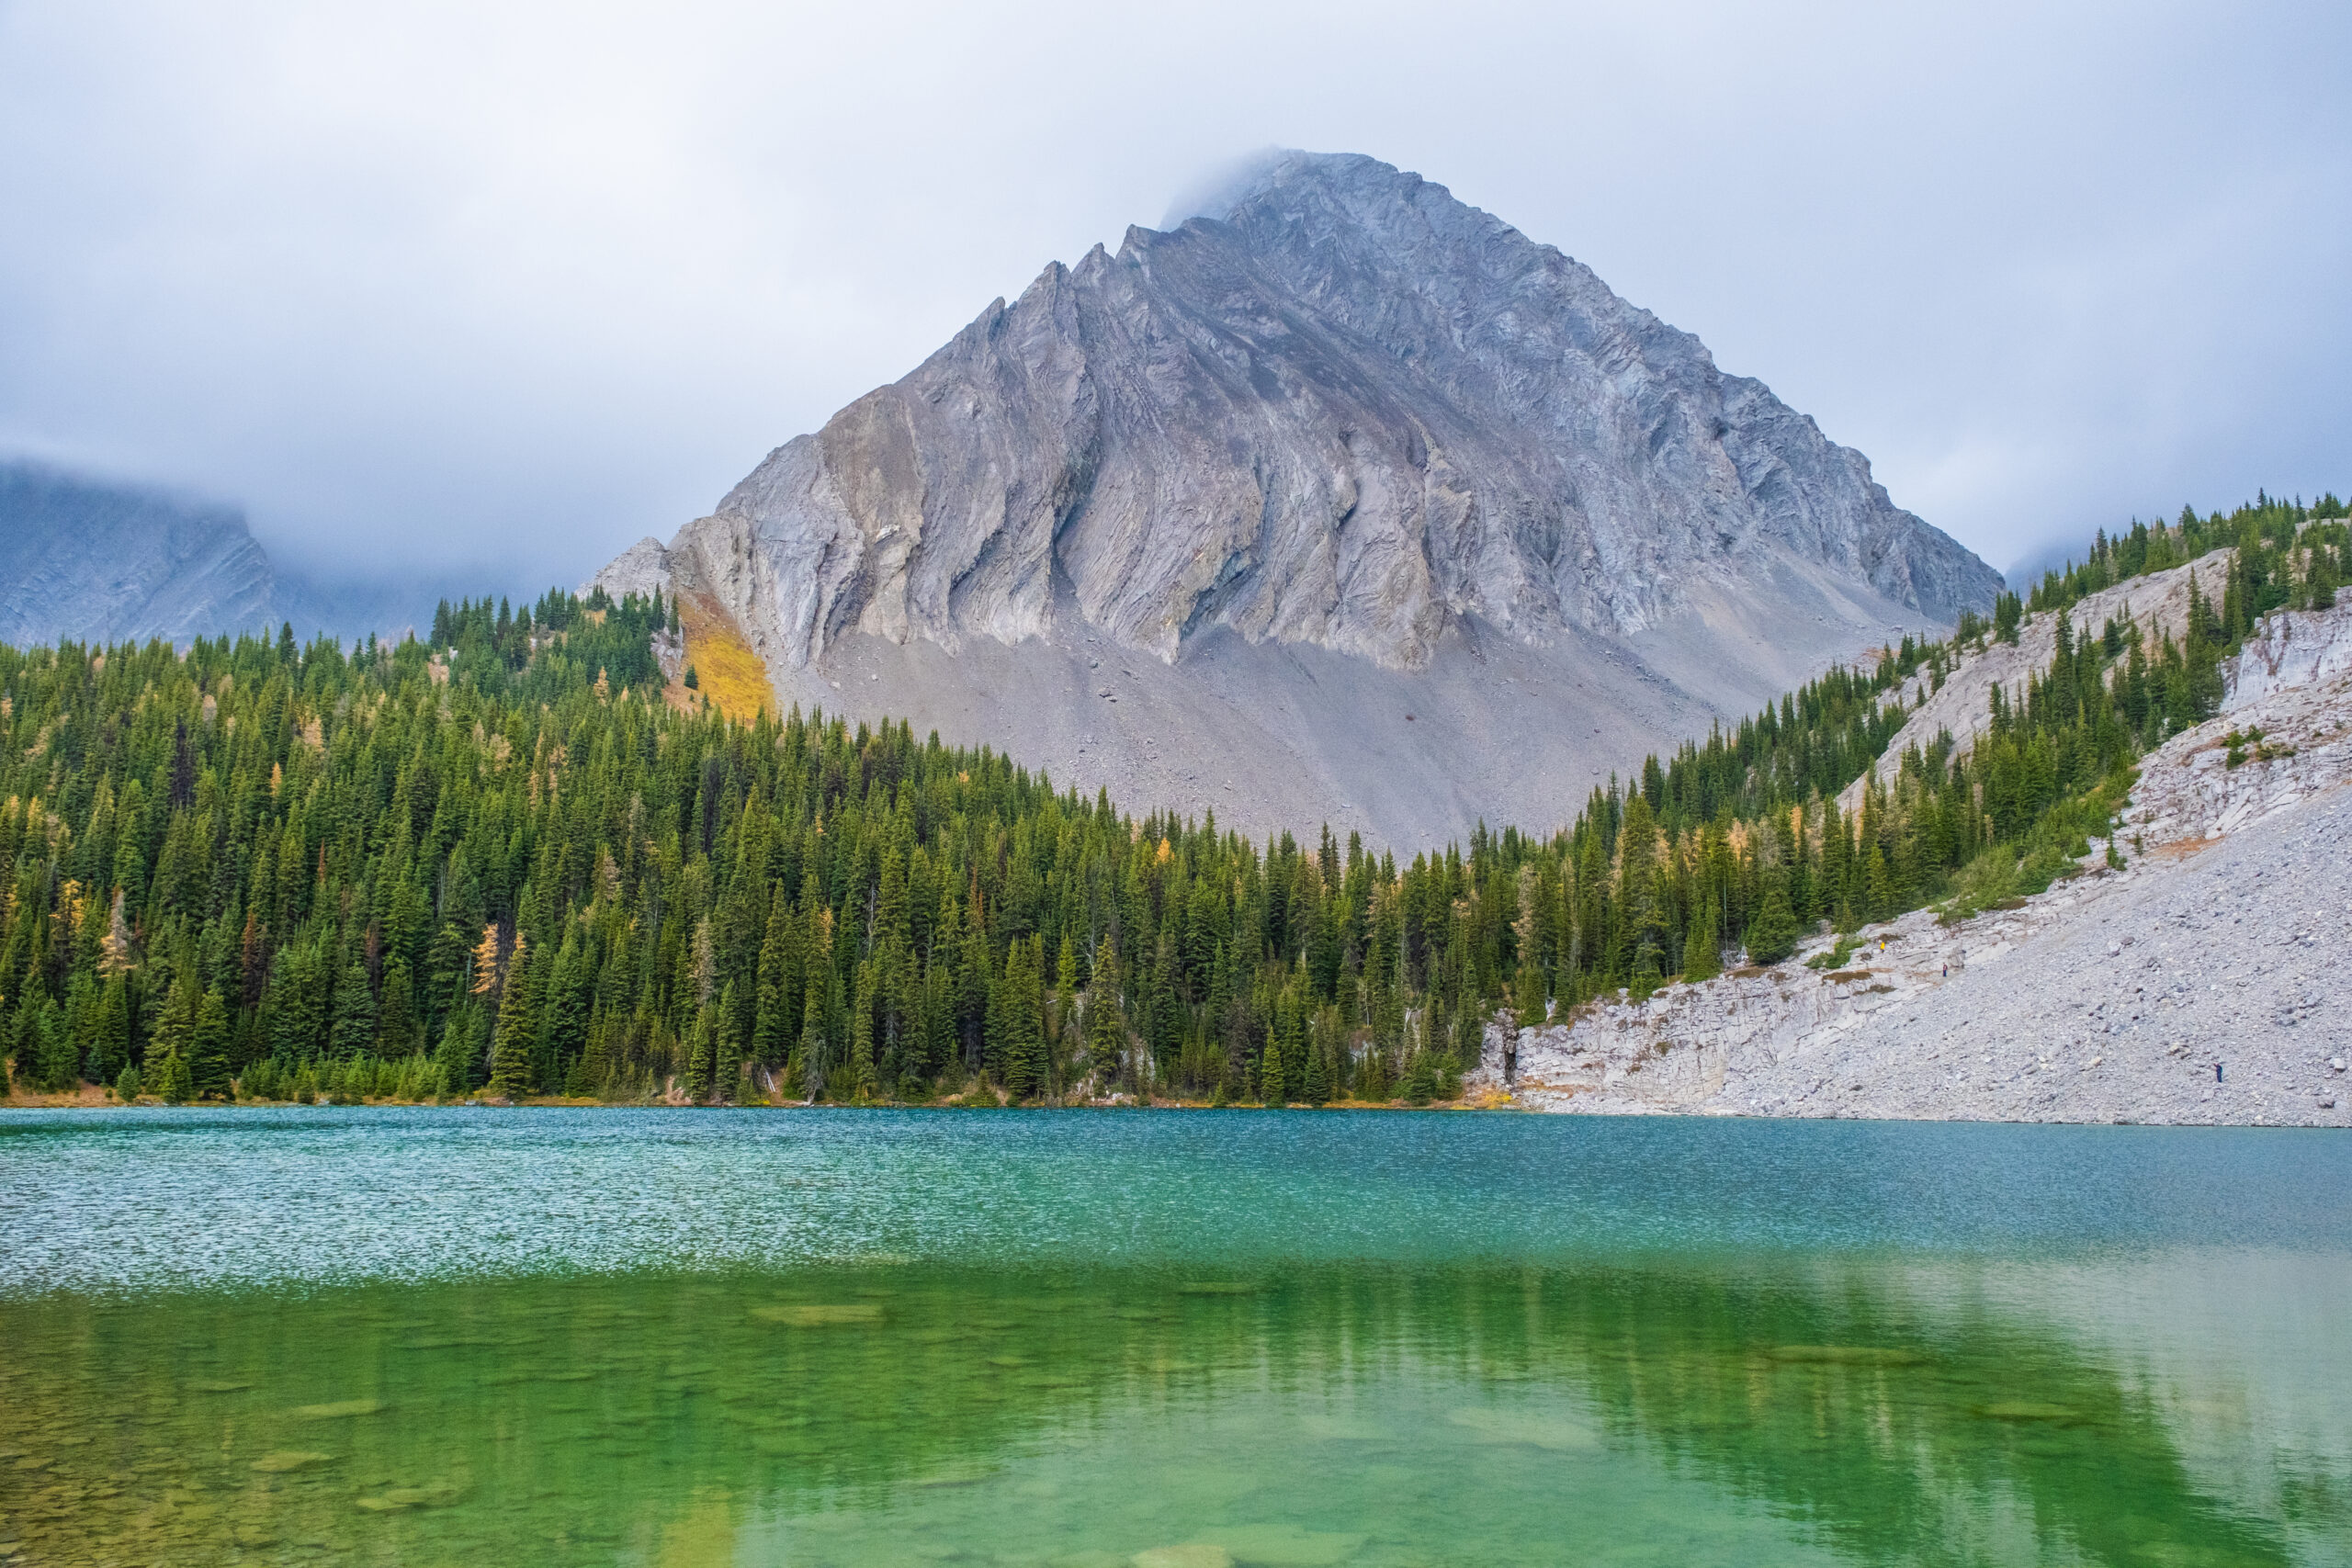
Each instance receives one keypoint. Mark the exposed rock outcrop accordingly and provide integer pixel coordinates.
(1303, 469)
(2157, 603)
(2113, 996)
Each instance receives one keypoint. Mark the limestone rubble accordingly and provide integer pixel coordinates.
(2110, 997)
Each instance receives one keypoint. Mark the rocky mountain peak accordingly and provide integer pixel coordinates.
(1337, 409)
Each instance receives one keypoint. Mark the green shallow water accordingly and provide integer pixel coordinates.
(1175, 1340)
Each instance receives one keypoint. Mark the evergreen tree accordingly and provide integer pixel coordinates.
(172, 1081)
(208, 1052)
(1106, 1029)
(353, 1028)
(516, 1042)
(1702, 947)
(1021, 1046)
(776, 1016)
(727, 1055)
(109, 1044)
(48, 1045)
(701, 1076)
(458, 1056)
(396, 1016)
(860, 1035)
(1775, 934)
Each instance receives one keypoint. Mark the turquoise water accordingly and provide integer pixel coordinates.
(1175, 1340)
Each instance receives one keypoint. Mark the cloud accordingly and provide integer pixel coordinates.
(515, 283)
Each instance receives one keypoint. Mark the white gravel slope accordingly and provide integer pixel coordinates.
(2110, 997)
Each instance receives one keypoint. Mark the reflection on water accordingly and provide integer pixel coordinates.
(1160, 1386)
(1364, 1416)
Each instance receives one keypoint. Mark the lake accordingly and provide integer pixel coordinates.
(1166, 1339)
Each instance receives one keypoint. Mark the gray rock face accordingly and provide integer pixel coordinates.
(86, 560)
(1347, 413)
(102, 563)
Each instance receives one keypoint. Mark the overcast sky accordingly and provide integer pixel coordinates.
(516, 283)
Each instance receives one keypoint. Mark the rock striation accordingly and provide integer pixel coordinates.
(1323, 453)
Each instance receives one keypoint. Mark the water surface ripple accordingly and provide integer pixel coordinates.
(836, 1339)
(113, 1200)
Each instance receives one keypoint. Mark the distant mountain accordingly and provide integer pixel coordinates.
(1346, 500)
(91, 560)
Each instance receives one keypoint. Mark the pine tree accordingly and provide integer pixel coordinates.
(1063, 1039)
(1020, 1043)
(457, 1055)
(701, 1076)
(1274, 1076)
(726, 1053)
(396, 1016)
(175, 1026)
(1775, 934)
(354, 1029)
(1317, 1089)
(518, 1028)
(172, 1084)
(809, 1063)
(208, 1052)
(1702, 946)
(48, 1045)
(109, 1046)
(1106, 1030)
(776, 1014)
(860, 1035)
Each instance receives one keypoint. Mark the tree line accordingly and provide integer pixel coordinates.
(504, 860)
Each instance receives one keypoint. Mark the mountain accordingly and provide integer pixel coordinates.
(90, 560)
(1343, 501)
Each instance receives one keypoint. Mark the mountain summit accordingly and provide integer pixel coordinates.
(1342, 456)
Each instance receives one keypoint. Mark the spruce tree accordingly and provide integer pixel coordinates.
(727, 1055)
(1702, 947)
(353, 1027)
(518, 1029)
(809, 1063)
(1470, 1034)
(109, 1051)
(208, 1052)
(1106, 1030)
(701, 1057)
(171, 1084)
(396, 1016)
(1316, 1090)
(49, 1044)
(1773, 935)
(775, 1016)
(1528, 1002)
(860, 1035)
(457, 1058)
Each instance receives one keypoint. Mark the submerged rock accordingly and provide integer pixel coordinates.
(1193, 1554)
(280, 1462)
(820, 1314)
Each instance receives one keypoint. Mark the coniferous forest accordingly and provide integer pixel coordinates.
(506, 860)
